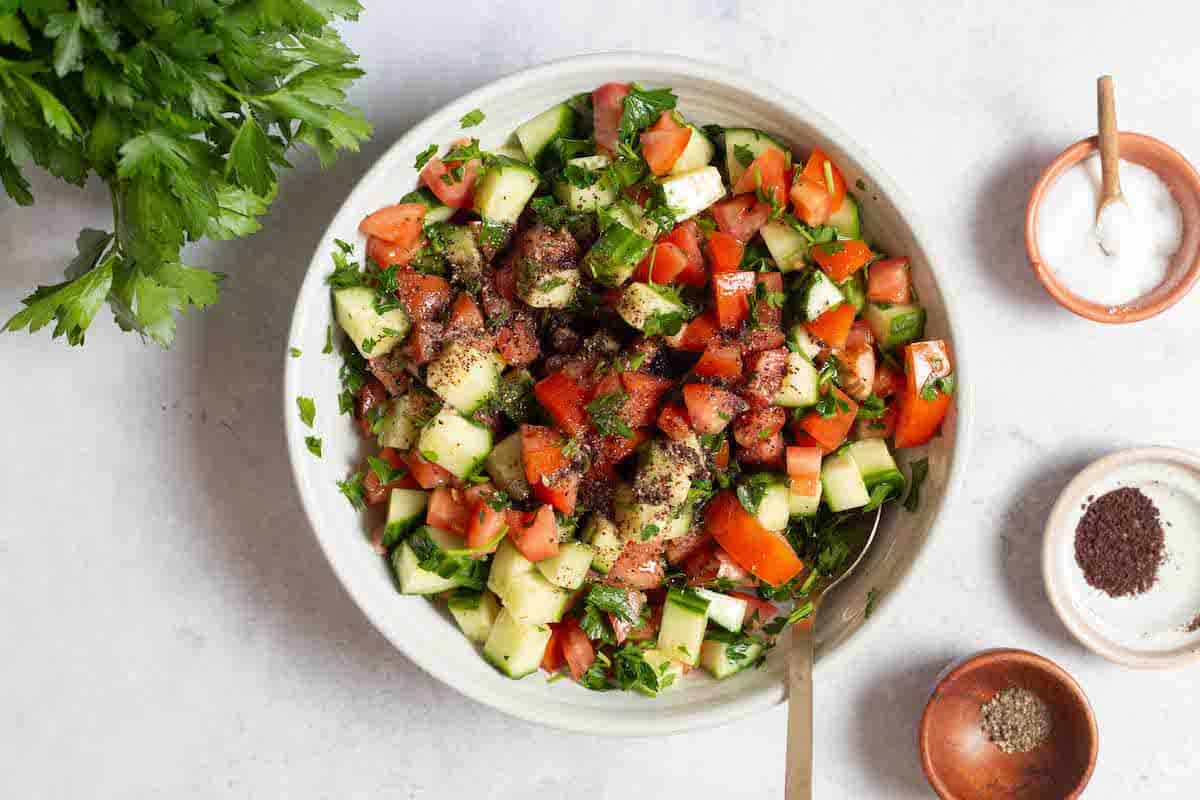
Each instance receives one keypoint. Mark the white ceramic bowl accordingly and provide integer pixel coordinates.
(707, 93)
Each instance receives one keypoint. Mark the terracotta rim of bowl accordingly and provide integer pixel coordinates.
(1182, 280)
(1015, 656)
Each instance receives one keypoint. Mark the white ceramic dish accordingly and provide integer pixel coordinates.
(429, 637)
(1149, 630)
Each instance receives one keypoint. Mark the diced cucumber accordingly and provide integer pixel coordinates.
(845, 219)
(727, 611)
(435, 209)
(854, 291)
(536, 134)
(586, 198)
(753, 140)
(843, 485)
(374, 334)
(513, 150)
(698, 153)
(667, 671)
(568, 569)
(800, 383)
(820, 294)
(552, 289)
(406, 510)
(689, 193)
(714, 655)
(464, 376)
(637, 521)
(506, 468)
(601, 534)
(681, 633)
(414, 580)
(804, 505)
(894, 325)
(665, 470)
(507, 565)
(455, 443)
(785, 244)
(475, 613)
(642, 301)
(513, 647)
(504, 189)
(616, 254)
(462, 248)
(799, 341)
(428, 562)
(534, 600)
(876, 465)
(773, 509)
(679, 525)
(400, 426)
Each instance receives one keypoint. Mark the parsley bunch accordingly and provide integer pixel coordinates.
(186, 110)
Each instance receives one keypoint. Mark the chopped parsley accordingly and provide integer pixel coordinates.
(424, 156)
(918, 472)
(471, 118)
(294, 352)
(352, 489)
(933, 386)
(663, 323)
(580, 177)
(752, 490)
(649, 532)
(346, 272)
(642, 109)
(308, 410)
(872, 408)
(384, 471)
(872, 599)
(743, 154)
(605, 413)
(612, 599)
(313, 443)
(328, 348)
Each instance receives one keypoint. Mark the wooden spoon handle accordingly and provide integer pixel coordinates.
(800, 713)
(1110, 153)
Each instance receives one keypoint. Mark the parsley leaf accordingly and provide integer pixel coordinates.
(308, 410)
(933, 386)
(663, 323)
(872, 599)
(352, 489)
(612, 599)
(471, 118)
(752, 490)
(424, 156)
(294, 352)
(642, 107)
(918, 472)
(872, 408)
(743, 154)
(328, 348)
(605, 413)
(314, 445)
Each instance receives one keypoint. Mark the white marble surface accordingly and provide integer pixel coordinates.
(172, 630)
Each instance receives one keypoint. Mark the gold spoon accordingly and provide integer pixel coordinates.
(1110, 157)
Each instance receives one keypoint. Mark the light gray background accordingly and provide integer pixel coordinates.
(171, 629)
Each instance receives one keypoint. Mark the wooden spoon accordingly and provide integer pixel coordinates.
(1110, 157)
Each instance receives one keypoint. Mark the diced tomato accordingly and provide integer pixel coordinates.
(830, 432)
(541, 452)
(724, 252)
(811, 202)
(756, 425)
(681, 548)
(757, 609)
(768, 313)
(814, 171)
(710, 408)
(757, 339)
(731, 296)
(448, 510)
(615, 449)
(537, 536)
(423, 296)
(767, 368)
(426, 473)
(577, 650)
(766, 452)
(686, 236)
(740, 217)
(856, 371)
(399, 224)
(721, 459)
(505, 281)
(720, 361)
(640, 566)
(802, 439)
(424, 341)
(841, 258)
(804, 469)
(765, 554)
(452, 190)
(767, 173)
(882, 428)
(384, 254)
(673, 421)
(484, 525)
(833, 327)
(374, 492)
(645, 392)
(663, 264)
(924, 362)
(465, 316)
(564, 400)
(888, 380)
(710, 563)
(369, 397)
(517, 342)
(552, 657)
(888, 281)
(664, 143)
(695, 335)
(561, 494)
(647, 631)
(608, 104)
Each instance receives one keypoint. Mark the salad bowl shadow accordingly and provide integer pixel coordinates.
(707, 93)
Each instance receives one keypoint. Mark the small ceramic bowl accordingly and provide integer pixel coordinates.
(1158, 628)
(1184, 182)
(962, 764)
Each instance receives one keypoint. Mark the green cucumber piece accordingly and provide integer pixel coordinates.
(546, 289)
(406, 510)
(537, 134)
(507, 565)
(754, 140)
(876, 465)
(428, 562)
(374, 334)
(513, 647)
(641, 301)
(800, 387)
(727, 611)
(689, 193)
(819, 294)
(586, 198)
(568, 569)
(854, 291)
(475, 613)
(773, 509)
(435, 209)
(698, 153)
(667, 671)
(534, 600)
(684, 619)
(843, 486)
(601, 534)
(507, 470)
(786, 245)
(504, 189)
(464, 376)
(455, 443)
(804, 505)
(895, 325)
(845, 219)
(715, 655)
(616, 254)
(800, 341)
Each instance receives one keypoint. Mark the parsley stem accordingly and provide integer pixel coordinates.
(116, 213)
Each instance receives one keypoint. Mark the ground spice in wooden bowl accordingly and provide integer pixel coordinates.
(1119, 542)
(1016, 720)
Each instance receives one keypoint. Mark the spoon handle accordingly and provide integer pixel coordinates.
(800, 713)
(1109, 143)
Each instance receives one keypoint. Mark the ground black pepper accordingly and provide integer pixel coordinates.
(1016, 720)
(1119, 542)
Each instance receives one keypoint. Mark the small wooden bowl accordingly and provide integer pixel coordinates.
(1184, 183)
(962, 764)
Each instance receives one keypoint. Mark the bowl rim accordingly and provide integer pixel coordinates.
(1100, 312)
(731, 709)
(1011, 655)
(1055, 530)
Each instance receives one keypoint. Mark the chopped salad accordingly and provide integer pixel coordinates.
(629, 378)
